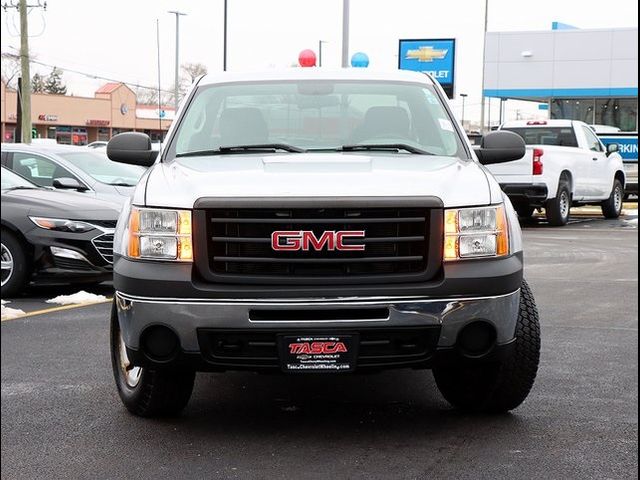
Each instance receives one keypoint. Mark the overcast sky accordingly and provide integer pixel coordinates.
(117, 38)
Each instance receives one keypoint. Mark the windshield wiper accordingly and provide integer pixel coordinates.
(263, 147)
(22, 187)
(122, 184)
(383, 147)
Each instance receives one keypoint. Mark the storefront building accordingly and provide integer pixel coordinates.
(587, 75)
(81, 120)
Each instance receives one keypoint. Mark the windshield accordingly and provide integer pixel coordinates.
(13, 180)
(100, 168)
(317, 116)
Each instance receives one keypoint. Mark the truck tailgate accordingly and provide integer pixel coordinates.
(516, 171)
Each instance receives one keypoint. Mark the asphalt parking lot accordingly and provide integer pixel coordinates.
(61, 417)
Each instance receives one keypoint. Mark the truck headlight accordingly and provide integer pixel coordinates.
(475, 232)
(62, 225)
(159, 234)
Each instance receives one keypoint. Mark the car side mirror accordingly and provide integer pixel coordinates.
(499, 147)
(133, 148)
(612, 148)
(68, 183)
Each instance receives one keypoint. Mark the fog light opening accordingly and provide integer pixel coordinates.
(477, 339)
(159, 343)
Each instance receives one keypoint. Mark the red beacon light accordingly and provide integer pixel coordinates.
(537, 122)
(307, 58)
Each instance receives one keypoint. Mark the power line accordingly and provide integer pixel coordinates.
(89, 75)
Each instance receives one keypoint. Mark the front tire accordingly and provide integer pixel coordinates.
(559, 208)
(612, 207)
(147, 392)
(15, 268)
(497, 387)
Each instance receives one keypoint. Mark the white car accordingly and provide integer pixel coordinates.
(316, 221)
(565, 165)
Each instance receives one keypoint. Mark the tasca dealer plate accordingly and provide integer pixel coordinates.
(318, 353)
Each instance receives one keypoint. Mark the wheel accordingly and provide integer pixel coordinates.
(525, 211)
(15, 268)
(612, 206)
(497, 387)
(146, 392)
(558, 209)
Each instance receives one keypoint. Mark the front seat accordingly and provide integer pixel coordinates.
(389, 122)
(242, 126)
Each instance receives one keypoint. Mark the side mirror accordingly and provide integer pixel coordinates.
(133, 148)
(612, 148)
(499, 147)
(68, 183)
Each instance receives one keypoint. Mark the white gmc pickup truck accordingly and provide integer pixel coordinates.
(313, 221)
(565, 165)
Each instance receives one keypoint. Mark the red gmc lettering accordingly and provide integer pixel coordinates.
(317, 347)
(292, 240)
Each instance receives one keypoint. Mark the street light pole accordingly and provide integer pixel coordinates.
(177, 74)
(464, 96)
(345, 33)
(484, 52)
(320, 42)
(224, 42)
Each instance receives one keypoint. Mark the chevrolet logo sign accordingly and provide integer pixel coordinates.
(426, 54)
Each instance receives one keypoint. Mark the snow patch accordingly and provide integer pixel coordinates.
(78, 298)
(8, 313)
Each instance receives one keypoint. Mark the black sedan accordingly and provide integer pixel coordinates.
(51, 236)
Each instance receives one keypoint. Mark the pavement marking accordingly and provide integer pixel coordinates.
(56, 309)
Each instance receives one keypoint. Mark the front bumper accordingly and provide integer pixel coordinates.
(192, 320)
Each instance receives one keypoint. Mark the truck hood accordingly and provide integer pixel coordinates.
(181, 182)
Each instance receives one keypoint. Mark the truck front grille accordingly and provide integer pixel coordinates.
(396, 243)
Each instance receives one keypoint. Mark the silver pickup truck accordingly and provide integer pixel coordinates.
(310, 221)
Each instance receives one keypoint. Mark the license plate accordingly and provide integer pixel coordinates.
(318, 353)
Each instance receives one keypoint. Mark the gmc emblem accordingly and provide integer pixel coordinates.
(294, 240)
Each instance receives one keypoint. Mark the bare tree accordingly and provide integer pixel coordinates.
(10, 69)
(192, 71)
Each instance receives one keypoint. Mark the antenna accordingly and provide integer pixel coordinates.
(159, 91)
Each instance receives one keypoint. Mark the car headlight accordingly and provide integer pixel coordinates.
(475, 232)
(62, 225)
(159, 234)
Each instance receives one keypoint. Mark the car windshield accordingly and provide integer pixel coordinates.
(99, 167)
(315, 115)
(13, 180)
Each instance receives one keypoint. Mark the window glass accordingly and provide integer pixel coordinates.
(318, 115)
(573, 109)
(560, 137)
(592, 141)
(618, 112)
(104, 170)
(37, 169)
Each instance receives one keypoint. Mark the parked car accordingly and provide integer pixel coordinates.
(72, 168)
(51, 236)
(328, 240)
(97, 144)
(565, 165)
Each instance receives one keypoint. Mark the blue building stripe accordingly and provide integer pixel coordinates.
(561, 92)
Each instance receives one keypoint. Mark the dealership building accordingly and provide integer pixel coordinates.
(80, 120)
(588, 75)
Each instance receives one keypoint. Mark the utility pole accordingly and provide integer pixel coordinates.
(484, 53)
(25, 85)
(345, 33)
(177, 75)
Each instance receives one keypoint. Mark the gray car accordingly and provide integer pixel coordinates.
(67, 167)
